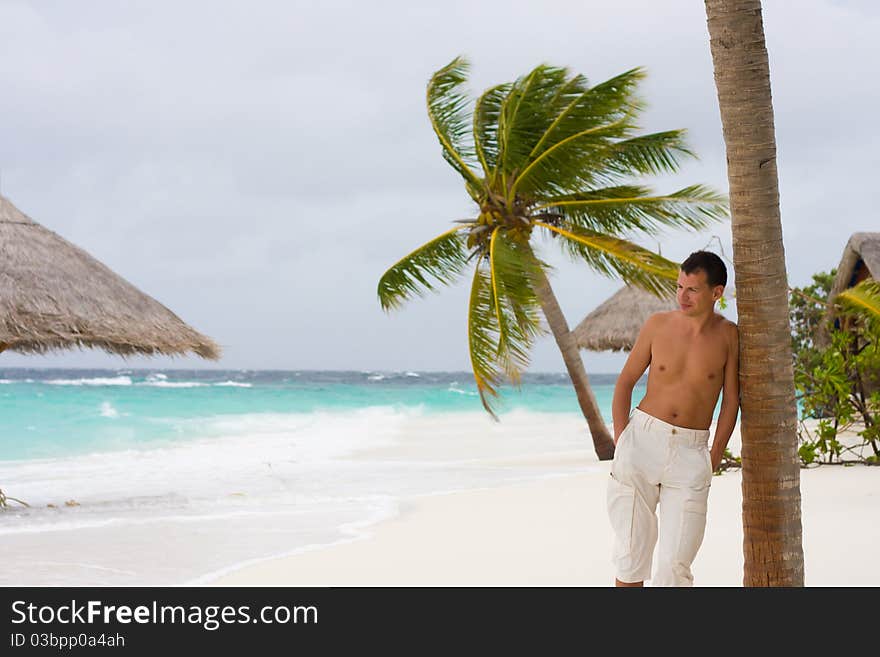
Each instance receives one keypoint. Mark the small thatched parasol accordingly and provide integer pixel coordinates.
(54, 295)
(860, 260)
(615, 324)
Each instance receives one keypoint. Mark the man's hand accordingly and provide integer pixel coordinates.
(716, 460)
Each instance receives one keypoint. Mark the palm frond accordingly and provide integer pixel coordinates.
(442, 259)
(572, 89)
(526, 113)
(483, 337)
(487, 112)
(571, 161)
(605, 103)
(447, 109)
(864, 298)
(514, 270)
(627, 208)
(609, 157)
(652, 154)
(617, 257)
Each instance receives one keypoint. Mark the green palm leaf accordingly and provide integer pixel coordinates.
(487, 112)
(616, 257)
(603, 156)
(571, 161)
(586, 108)
(513, 273)
(653, 154)
(864, 298)
(526, 114)
(628, 208)
(583, 121)
(447, 109)
(483, 337)
(442, 259)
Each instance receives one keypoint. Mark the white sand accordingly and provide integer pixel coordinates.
(555, 532)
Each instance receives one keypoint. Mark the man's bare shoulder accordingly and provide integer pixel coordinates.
(730, 328)
(731, 331)
(728, 333)
(655, 323)
(662, 322)
(660, 318)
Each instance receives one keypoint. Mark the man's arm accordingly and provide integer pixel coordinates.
(636, 364)
(729, 398)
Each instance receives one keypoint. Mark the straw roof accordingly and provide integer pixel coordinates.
(860, 260)
(615, 324)
(54, 295)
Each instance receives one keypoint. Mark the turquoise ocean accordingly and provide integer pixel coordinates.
(54, 413)
(174, 476)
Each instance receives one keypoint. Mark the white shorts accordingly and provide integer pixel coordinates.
(658, 462)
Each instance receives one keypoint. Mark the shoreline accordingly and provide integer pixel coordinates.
(185, 513)
(424, 501)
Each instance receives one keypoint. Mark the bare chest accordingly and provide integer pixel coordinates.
(698, 358)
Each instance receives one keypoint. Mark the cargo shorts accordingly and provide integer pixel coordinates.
(657, 462)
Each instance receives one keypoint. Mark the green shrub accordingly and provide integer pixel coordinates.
(834, 378)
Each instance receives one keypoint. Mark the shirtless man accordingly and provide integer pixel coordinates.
(662, 453)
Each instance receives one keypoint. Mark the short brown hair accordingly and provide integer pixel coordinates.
(716, 272)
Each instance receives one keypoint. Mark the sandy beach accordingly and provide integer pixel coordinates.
(378, 497)
(555, 532)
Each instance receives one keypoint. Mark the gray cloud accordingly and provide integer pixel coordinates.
(256, 166)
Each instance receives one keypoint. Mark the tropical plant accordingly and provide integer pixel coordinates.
(545, 155)
(835, 379)
(864, 298)
(837, 392)
(772, 533)
(809, 312)
(809, 325)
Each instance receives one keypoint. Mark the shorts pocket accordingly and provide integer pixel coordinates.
(621, 509)
(624, 433)
(693, 527)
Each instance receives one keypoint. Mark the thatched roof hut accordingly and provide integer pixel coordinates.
(615, 324)
(860, 260)
(54, 295)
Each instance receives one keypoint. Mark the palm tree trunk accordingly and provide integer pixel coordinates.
(602, 441)
(772, 534)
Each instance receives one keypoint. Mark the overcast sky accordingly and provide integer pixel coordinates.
(256, 166)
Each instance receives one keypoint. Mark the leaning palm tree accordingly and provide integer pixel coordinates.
(772, 534)
(546, 155)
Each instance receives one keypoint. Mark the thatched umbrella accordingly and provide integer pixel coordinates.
(860, 260)
(615, 324)
(54, 295)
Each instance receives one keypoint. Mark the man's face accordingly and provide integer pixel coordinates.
(695, 296)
